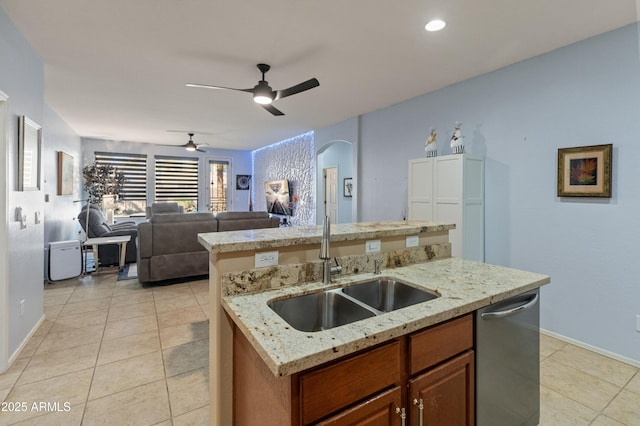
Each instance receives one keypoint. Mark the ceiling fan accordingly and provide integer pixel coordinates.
(263, 94)
(191, 146)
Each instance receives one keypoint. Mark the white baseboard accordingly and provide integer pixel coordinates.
(24, 343)
(591, 348)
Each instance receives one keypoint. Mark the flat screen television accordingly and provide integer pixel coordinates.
(278, 198)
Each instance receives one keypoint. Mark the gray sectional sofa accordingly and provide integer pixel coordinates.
(168, 246)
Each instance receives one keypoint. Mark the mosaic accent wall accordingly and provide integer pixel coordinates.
(293, 160)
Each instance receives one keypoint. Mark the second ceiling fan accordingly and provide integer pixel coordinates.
(263, 94)
(191, 146)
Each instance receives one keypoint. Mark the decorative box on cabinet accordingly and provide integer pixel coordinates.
(451, 189)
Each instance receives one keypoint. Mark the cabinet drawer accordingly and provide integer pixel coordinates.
(379, 410)
(440, 342)
(348, 381)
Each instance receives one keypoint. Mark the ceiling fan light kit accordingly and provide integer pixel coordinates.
(263, 94)
(191, 146)
(435, 25)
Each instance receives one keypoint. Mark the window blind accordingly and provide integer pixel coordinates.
(134, 168)
(176, 179)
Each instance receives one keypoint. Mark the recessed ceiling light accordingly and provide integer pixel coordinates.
(435, 25)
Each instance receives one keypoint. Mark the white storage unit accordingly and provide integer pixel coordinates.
(65, 260)
(451, 189)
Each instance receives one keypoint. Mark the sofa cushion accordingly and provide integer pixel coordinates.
(182, 217)
(241, 215)
(237, 221)
(163, 208)
(180, 235)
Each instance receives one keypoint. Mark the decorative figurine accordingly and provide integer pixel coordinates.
(430, 146)
(457, 140)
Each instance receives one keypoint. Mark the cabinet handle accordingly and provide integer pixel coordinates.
(420, 405)
(403, 415)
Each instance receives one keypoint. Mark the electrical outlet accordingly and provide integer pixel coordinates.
(412, 241)
(638, 323)
(21, 308)
(372, 246)
(267, 258)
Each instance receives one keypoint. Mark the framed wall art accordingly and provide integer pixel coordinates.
(585, 171)
(65, 173)
(29, 143)
(348, 187)
(243, 182)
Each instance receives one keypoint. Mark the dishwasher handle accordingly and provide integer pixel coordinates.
(507, 313)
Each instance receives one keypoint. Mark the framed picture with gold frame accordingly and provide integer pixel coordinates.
(585, 171)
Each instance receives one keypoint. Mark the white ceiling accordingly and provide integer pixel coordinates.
(116, 69)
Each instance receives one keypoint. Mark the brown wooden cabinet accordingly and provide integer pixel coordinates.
(444, 395)
(372, 387)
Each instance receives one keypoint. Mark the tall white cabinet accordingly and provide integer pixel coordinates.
(451, 189)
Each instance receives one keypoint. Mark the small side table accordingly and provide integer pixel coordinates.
(96, 242)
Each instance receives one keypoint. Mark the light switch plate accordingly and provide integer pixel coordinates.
(372, 246)
(638, 323)
(267, 258)
(412, 241)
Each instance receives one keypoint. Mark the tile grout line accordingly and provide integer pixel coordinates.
(164, 366)
(95, 365)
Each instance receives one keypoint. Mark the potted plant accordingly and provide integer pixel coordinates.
(102, 180)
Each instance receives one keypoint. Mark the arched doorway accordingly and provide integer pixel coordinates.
(335, 160)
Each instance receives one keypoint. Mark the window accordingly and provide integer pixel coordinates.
(133, 198)
(177, 181)
(218, 185)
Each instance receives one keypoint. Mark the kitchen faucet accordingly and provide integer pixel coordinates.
(325, 253)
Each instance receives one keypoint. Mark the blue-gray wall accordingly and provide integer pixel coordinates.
(60, 211)
(22, 79)
(517, 117)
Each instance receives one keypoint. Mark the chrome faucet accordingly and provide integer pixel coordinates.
(377, 266)
(325, 253)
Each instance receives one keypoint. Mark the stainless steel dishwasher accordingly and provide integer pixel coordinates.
(508, 362)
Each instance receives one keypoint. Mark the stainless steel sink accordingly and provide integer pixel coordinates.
(387, 294)
(319, 311)
(332, 308)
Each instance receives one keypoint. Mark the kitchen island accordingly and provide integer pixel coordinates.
(239, 292)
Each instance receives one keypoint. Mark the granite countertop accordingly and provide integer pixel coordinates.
(257, 239)
(464, 286)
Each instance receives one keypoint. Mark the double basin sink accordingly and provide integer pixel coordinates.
(332, 308)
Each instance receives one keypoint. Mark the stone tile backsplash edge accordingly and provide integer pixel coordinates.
(262, 279)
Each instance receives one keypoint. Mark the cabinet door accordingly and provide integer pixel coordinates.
(447, 394)
(420, 189)
(379, 410)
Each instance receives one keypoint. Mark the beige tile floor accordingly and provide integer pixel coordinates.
(580, 387)
(119, 354)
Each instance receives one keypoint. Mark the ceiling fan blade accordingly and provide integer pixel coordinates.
(309, 84)
(273, 110)
(208, 86)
